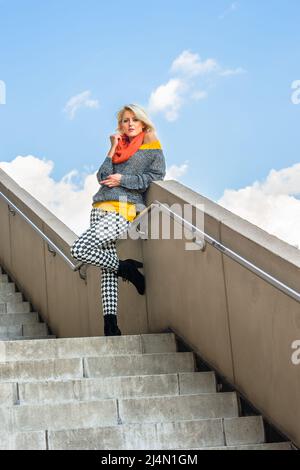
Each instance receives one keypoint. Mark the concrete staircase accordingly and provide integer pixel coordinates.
(16, 319)
(128, 392)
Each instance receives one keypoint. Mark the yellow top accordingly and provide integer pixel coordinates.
(126, 209)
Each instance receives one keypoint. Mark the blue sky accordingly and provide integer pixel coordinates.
(239, 58)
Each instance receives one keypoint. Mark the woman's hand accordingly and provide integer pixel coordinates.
(112, 180)
(114, 139)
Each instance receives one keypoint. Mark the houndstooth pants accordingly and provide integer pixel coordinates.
(97, 246)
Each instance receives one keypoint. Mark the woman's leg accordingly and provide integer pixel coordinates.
(97, 246)
(109, 278)
(109, 285)
(91, 246)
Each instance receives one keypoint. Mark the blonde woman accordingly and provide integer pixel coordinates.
(133, 161)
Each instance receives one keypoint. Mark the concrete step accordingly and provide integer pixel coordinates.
(88, 347)
(131, 437)
(33, 330)
(8, 394)
(183, 407)
(267, 446)
(3, 278)
(182, 434)
(9, 331)
(23, 441)
(139, 364)
(7, 287)
(27, 338)
(11, 297)
(100, 413)
(18, 319)
(25, 418)
(136, 364)
(114, 387)
(14, 307)
(51, 369)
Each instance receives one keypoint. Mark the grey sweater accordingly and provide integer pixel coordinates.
(144, 166)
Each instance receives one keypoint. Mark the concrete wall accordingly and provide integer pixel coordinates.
(70, 306)
(237, 322)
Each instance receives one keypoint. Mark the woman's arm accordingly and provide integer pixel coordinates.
(105, 169)
(141, 181)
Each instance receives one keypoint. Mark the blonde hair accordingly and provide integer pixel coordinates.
(140, 114)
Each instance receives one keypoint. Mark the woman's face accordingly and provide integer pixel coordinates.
(130, 125)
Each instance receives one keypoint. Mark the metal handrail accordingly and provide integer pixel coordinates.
(74, 267)
(213, 242)
(222, 248)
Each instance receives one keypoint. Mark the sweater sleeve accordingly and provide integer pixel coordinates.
(105, 169)
(141, 181)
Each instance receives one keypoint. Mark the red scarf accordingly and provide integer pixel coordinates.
(125, 149)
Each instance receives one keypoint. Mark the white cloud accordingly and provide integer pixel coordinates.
(199, 95)
(272, 205)
(82, 100)
(170, 97)
(229, 72)
(175, 171)
(70, 199)
(191, 65)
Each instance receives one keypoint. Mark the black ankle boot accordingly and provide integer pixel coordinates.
(128, 271)
(134, 262)
(110, 325)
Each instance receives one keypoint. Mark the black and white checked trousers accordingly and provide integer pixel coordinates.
(97, 246)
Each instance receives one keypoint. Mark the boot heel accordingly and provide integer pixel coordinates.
(138, 264)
